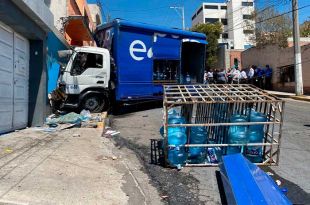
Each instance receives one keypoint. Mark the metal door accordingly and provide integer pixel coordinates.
(14, 80)
(21, 81)
(6, 78)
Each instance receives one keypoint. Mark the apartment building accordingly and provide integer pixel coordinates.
(235, 15)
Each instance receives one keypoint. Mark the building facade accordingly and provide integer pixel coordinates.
(73, 19)
(236, 17)
(24, 26)
(95, 13)
(282, 62)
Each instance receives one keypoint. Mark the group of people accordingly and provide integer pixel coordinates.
(261, 77)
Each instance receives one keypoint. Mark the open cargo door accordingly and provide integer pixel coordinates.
(193, 59)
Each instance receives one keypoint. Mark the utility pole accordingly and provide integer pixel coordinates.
(180, 14)
(297, 52)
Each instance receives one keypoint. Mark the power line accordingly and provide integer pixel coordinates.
(142, 10)
(276, 16)
(240, 8)
(268, 7)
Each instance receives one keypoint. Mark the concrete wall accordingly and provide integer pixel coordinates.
(95, 14)
(37, 11)
(28, 23)
(55, 42)
(278, 57)
(59, 10)
(303, 41)
(199, 18)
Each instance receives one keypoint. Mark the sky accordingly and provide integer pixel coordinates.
(157, 12)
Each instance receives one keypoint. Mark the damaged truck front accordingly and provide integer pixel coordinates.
(132, 63)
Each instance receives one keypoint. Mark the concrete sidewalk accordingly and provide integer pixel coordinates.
(289, 95)
(75, 166)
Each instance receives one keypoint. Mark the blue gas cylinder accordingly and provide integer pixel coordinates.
(198, 135)
(237, 134)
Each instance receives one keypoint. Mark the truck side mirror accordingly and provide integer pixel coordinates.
(64, 53)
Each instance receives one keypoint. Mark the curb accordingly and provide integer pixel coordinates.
(301, 98)
(292, 96)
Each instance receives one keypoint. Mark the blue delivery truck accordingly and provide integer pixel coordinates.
(132, 62)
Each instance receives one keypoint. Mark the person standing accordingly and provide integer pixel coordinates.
(260, 75)
(221, 77)
(236, 76)
(205, 77)
(251, 75)
(243, 77)
(210, 76)
(268, 78)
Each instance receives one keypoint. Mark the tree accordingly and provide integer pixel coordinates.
(272, 28)
(305, 29)
(212, 31)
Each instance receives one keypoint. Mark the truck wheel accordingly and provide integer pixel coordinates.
(95, 103)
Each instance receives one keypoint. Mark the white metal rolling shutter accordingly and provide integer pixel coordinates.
(21, 81)
(14, 79)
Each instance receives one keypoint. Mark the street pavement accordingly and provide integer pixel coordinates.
(74, 166)
(199, 185)
(80, 166)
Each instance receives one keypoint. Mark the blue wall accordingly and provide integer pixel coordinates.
(52, 60)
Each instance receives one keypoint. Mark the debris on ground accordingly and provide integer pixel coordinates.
(61, 121)
(8, 150)
(110, 133)
(71, 118)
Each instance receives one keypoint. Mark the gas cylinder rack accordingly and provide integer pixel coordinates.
(212, 107)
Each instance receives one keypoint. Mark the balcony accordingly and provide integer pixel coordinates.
(78, 30)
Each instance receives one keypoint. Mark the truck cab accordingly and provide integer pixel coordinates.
(86, 78)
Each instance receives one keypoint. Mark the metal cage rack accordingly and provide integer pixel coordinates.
(211, 106)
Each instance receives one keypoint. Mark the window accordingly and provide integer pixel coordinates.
(248, 31)
(249, 17)
(247, 3)
(211, 20)
(199, 10)
(224, 7)
(83, 61)
(287, 74)
(224, 21)
(194, 16)
(225, 35)
(211, 7)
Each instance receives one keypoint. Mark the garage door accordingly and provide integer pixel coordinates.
(14, 79)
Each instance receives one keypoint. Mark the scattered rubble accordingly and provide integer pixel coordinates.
(61, 121)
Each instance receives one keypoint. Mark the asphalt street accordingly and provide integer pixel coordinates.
(139, 124)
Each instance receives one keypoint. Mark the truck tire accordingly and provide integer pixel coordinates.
(95, 103)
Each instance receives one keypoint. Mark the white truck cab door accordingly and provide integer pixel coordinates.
(87, 70)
